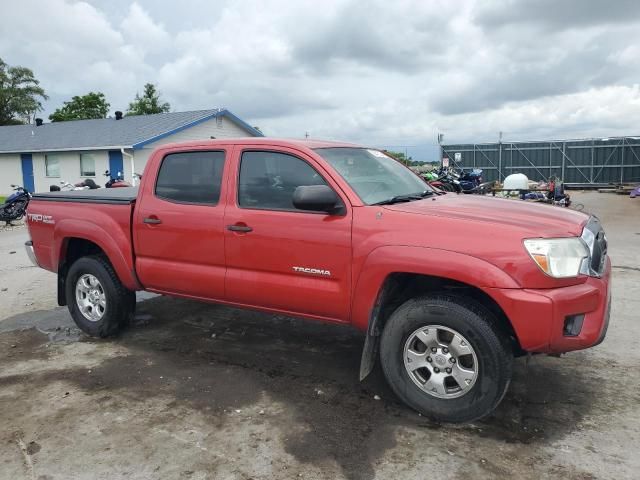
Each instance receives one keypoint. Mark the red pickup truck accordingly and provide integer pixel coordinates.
(448, 288)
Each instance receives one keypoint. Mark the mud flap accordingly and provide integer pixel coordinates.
(372, 340)
(62, 298)
(369, 353)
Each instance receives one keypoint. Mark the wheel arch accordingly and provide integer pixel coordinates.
(71, 248)
(398, 287)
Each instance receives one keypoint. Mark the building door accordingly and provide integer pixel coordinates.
(27, 171)
(116, 167)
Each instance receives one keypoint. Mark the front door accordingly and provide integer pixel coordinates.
(116, 165)
(279, 257)
(178, 226)
(27, 171)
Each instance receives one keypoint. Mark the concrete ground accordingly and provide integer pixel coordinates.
(197, 391)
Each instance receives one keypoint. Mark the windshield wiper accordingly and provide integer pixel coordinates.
(405, 198)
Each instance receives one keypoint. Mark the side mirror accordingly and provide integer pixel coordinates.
(317, 198)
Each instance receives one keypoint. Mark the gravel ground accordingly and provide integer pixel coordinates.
(196, 391)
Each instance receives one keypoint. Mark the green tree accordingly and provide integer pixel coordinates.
(148, 103)
(399, 156)
(20, 94)
(91, 105)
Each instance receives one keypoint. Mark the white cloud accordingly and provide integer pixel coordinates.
(386, 73)
(139, 29)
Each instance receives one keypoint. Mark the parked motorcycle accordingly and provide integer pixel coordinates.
(460, 181)
(552, 191)
(470, 181)
(443, 179)
(86, 184)
(556, 194)
(116, 181)
(15, 206)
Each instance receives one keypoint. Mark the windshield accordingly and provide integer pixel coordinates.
(374, 176)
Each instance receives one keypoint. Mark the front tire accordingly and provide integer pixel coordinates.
(444, 357)
(98, 302)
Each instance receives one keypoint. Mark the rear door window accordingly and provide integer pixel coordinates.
(191, 177)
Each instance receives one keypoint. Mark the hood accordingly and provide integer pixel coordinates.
(539, 219)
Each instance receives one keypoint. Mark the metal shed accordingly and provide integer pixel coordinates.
(594, 161)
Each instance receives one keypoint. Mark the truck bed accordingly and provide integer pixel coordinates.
(123, 195)
(102, 216)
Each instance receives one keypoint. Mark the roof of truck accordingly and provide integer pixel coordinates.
(308, 143)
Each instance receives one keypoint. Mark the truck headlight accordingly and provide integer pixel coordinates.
(558, 257)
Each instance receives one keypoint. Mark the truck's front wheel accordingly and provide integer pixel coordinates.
(98, 302)
(445, 357)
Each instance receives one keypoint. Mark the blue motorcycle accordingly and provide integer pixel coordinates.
(15, 206)
(470, 181)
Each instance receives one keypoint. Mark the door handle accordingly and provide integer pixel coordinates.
(240, 228)
(153, 220)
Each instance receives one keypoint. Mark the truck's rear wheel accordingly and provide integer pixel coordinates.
(444, 357)
(98, 302)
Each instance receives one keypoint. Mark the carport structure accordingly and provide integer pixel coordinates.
(588, 162)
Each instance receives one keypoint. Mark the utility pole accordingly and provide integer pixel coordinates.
(440, 150)
(500, 156)
(306, 134)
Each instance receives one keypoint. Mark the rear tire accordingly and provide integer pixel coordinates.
(444, 356)
(98, 302)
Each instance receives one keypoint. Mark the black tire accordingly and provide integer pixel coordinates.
(120, 302)
(475, 323)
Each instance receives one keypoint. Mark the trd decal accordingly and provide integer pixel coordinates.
(38, 217)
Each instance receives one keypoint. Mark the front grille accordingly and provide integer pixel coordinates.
(598, 247)
(599, 254)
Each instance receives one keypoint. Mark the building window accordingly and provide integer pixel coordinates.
(87, 165)
(52, 165)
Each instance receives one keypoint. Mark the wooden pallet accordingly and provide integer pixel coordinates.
(624, 190)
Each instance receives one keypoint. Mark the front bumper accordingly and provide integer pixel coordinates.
(30, 253)
(538, 316)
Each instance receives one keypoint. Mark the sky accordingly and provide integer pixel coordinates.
(381, 73)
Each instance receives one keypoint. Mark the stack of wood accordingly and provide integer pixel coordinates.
(619, 189)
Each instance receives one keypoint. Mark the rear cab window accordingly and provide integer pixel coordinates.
(191, 177)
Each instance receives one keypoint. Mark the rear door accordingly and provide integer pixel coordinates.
(279, 257)
(178, 225)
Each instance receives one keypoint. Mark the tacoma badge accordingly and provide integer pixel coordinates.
(312, 271)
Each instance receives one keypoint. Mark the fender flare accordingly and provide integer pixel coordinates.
(371, 288)
(107, 235)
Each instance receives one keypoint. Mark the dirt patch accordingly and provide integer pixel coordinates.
(200, 391)
(27, 345)
(220, 361)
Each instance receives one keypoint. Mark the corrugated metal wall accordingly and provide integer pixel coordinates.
(592, 161)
